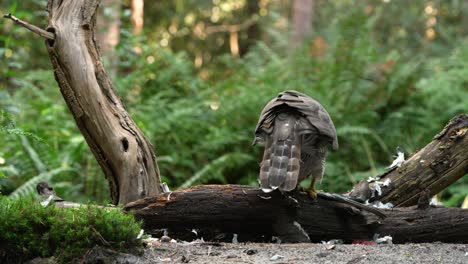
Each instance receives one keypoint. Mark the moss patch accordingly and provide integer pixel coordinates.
(28, 230)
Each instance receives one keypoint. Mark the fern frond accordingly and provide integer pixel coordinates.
(217, 165)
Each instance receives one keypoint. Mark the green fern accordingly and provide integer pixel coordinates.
(215, 168)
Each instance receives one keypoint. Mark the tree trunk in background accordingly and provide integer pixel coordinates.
(302, 13)
(122, 151)
(137, 16)
(253, 31)
(108, 32)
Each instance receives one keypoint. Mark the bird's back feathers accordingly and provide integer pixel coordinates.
(295, 130)
(281, 159)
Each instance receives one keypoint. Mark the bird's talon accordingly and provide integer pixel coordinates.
(313, 193)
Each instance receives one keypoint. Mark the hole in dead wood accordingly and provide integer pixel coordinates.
(51, 42)
(125, 144)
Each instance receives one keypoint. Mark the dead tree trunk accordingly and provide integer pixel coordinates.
(122, 151)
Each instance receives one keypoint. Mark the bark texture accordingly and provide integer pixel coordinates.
(427, 171)
(215, 211)
(124, 154)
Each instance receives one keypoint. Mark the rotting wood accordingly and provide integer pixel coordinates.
(431, 169)
(215, 211)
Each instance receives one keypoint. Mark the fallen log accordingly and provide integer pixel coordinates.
(214, 211)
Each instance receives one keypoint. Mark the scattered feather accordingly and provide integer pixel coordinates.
(276, 257)
(380, 205)
(435, 202)
(299, 227)
(195, 232)
(165, 188)
(293, 200)
(387, 182)
(383, 240)
(376, 190)
(398, 161)
(373, 179)
(151, 241)
(140, 235)
(330, 247)
(333, 242)
(46, 202)
(234, 239)
(376, 186)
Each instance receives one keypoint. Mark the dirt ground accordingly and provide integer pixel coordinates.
(214, 253)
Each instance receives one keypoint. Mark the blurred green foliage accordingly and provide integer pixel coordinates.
(390, 73)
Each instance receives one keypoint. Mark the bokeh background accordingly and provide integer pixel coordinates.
(195, 74)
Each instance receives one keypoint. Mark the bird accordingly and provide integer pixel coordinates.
(47, 193)
(296, 132)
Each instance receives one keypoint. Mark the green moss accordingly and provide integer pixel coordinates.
(28, 230)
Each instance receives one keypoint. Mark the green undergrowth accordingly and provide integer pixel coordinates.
(28, 230)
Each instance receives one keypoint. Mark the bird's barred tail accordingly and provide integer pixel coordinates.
(281, 159)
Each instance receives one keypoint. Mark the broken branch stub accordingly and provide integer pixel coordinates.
(32, 28)
(124, 154)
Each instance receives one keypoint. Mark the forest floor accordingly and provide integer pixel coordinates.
(215, 253)
(304, 253)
